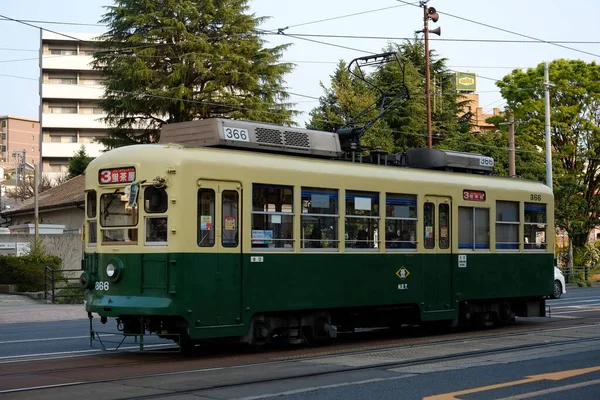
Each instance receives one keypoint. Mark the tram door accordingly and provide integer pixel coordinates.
(437, 243)
(219, 217)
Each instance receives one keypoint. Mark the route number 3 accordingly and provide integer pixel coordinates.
(236, 134)
(102, 286)
(535, 197)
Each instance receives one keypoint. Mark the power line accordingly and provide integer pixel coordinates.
(20, 77)
(322, 35)
(507, 31)
(344, 16)
(51, 22)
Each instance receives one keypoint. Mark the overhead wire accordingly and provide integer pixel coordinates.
(506, 30)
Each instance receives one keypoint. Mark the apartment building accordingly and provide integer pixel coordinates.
(465, 83)
(69, 91)
(19, 139)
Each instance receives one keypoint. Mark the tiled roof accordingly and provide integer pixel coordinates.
(69, 193)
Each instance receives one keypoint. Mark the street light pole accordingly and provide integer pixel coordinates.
(511, 146)
(547, 126)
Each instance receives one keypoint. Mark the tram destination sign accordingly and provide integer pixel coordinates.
(474, 195)
(116, 175)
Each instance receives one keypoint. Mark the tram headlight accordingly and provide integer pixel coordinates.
(111, 270)
(114, 269)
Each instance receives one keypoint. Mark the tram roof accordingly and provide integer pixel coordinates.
(287, 169)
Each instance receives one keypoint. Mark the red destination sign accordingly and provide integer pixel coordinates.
(474, 195)
(116, 175)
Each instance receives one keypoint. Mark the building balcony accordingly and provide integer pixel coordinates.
(66, 150)
(61, 62)
(57, 91)
(74, 121)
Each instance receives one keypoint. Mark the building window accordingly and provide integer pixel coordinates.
(535, 226)
(230, 223)
(206, 217)
(400, 221)
(272, 216)
(319, 218)
(59, 168)
(507, 225)
(362, 220)
(63, 52)
(62, 109)
(473, 228)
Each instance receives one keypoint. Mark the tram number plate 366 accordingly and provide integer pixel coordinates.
(102, 286)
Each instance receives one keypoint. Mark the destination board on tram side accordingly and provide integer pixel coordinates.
(116, 175)
(474, 195)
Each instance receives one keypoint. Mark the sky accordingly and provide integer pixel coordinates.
(548, 20)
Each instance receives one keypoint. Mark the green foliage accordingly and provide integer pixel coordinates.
(69, 294)
(173, 61)
(79, 162)
(405, 127)
(575, 107)
(27, 272)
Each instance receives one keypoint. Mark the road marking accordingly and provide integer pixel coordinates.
(47, 339)
(315, 388)
(553, 376)
(553, 390)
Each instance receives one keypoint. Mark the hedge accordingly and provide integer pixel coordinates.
(27, 272)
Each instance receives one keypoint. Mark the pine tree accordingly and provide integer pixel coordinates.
(168, 61)
(79, 162)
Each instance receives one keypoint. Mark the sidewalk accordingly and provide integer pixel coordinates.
(17, 309)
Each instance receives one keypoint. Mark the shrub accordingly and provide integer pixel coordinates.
(27, 272)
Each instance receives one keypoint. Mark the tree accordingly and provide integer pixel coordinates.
(575, 132)
(26, 187)
(405, 126)
(342, 105)
(172, 61)
(79, 162)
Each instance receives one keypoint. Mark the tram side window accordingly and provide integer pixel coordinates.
(362, 220)
(473, 228)
(400, 221)
(92, 226)
(156, 200)
(429, 225)
(230, 236)
(507, 225)
(206, 217)
(319, 218)
(272, 216)
(535, 226)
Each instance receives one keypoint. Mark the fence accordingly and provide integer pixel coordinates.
(581, 271)
(56, 281)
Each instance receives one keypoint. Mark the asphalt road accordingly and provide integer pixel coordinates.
(55, 337)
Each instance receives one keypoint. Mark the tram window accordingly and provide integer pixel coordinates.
(473, 228)
(272, 216)
(155, 200)
(206, 218)
(535, 226)
(444, 221)
(92, 234)
(91, 204)
(319, 219)
(362, 220)
(507, 225)
(115, 210)
(230, 237)
(156, 230)
(400, 221)
(429, 225)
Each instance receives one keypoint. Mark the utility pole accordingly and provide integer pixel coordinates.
(511, 146)
(36, 208)
(428, 13)
(547, 86)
